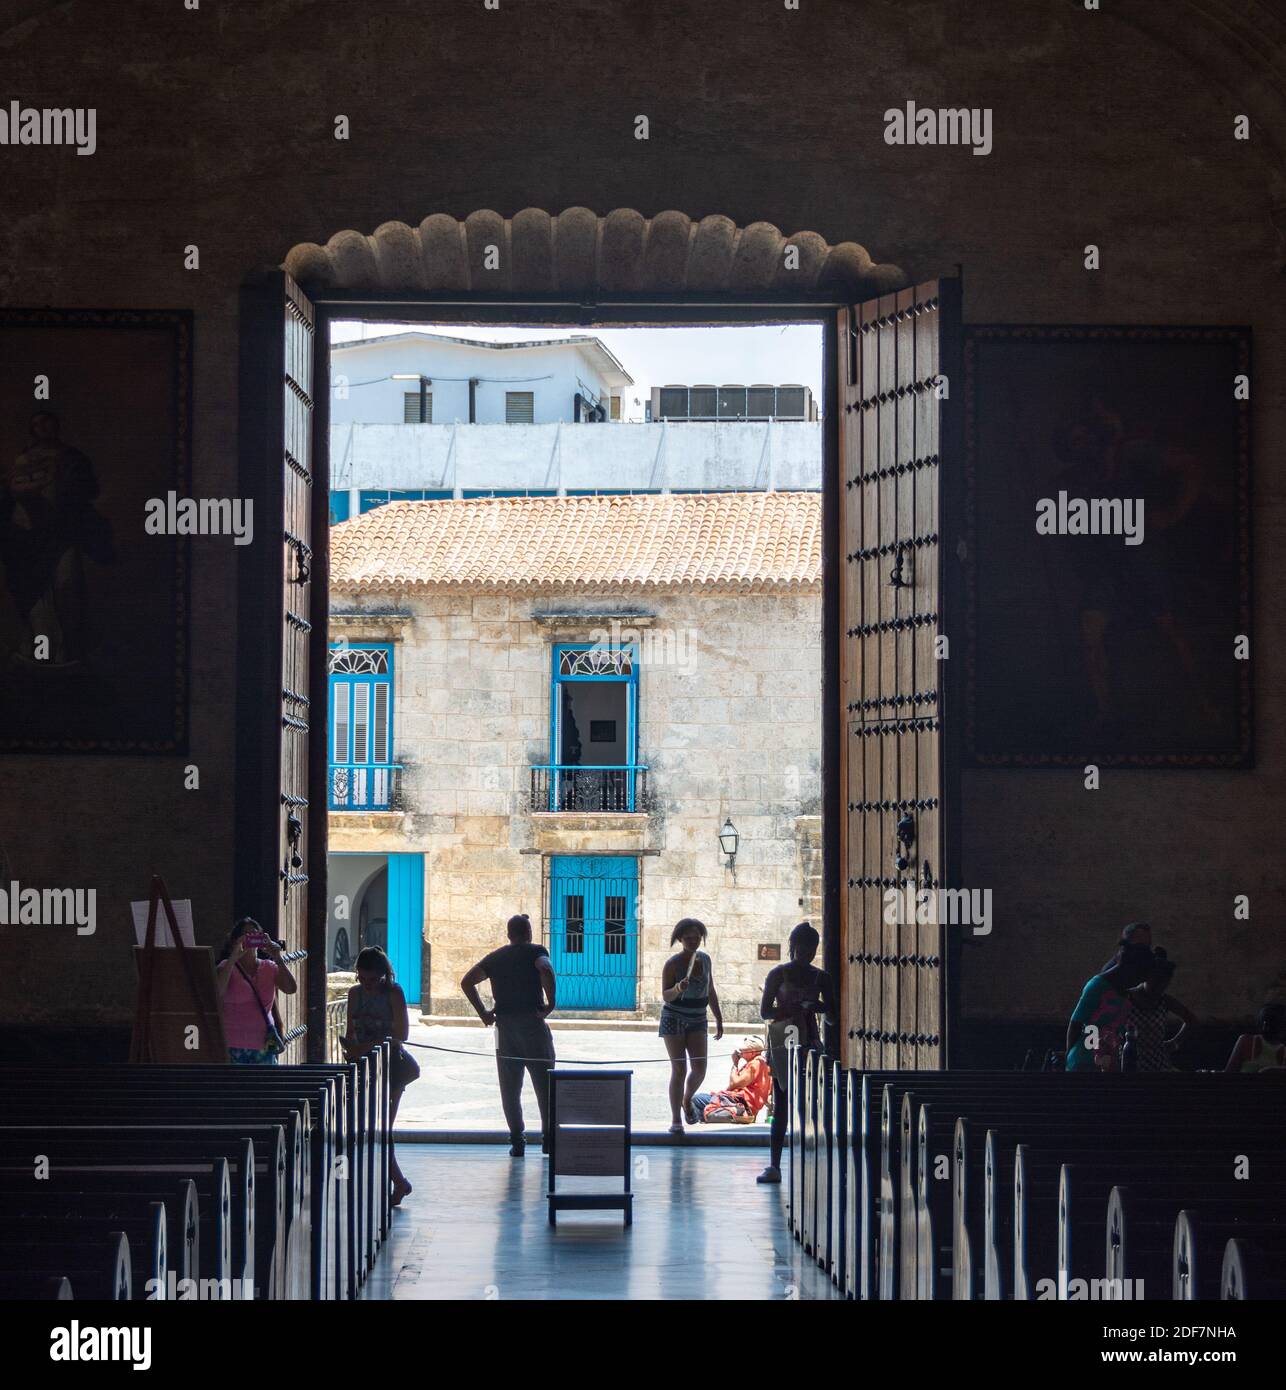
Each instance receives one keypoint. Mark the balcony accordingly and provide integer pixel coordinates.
(561, 787)
(365, 787)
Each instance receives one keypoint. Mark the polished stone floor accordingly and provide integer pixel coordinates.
(476, 1226)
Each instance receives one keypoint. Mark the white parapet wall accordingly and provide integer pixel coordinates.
(778, 455)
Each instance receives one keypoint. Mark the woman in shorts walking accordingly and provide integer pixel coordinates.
(687, 993)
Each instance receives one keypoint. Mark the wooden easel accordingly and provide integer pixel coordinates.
(177, 991)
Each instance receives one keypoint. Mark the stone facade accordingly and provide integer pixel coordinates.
(729, 726)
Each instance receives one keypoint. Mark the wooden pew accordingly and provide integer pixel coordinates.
(947, 1253)
(1068, 1243)
(321, 1238)
(1054, 1103)
(16, 1288)
(145, 1234)
(257, 1174)
(1203, 1233)
(1152, 1231)
(174, 1237)
(808, 1134)
(1254, 1267)
(200, 1206)
(117, 1112)
(97, 1266)
(794, 1138)
(317, 1135)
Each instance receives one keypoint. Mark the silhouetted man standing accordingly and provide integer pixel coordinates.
(522, 986)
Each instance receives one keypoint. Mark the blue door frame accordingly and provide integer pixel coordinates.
(617, 781)
(362, 775)
(405, 919)
(593, 930)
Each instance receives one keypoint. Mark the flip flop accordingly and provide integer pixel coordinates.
(676, 1128)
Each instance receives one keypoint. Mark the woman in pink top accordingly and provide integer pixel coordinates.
(250, 972)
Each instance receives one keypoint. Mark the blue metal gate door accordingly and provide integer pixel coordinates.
(593, 930)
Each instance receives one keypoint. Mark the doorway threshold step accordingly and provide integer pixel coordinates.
(707, 1137)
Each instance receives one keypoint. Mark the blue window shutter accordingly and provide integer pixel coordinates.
(340, 720)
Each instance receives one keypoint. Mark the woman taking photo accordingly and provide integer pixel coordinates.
(250, 973)
(377, 1010)
(687, 990)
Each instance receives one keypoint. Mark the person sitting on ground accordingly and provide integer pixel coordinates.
(1150, 1008)
(1266, 1049)
(523, 990)
(794, 994)
(250, 974)
(1135, 934)
(746, 1094)
(377, 1010)
(1094, 1033)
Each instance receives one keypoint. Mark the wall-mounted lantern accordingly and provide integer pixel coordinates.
(728, 838)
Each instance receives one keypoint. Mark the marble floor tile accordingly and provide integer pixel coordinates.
(476, 1227)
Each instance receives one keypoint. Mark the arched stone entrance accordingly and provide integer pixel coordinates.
(580, 253)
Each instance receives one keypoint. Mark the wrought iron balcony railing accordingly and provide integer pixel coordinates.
(561, 787)
(365, 787)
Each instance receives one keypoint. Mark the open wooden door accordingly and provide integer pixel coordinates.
(281, 587)
(896, 359)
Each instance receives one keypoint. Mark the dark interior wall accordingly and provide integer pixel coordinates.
(215, 127)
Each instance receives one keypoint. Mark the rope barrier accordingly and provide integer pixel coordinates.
(571, 1061)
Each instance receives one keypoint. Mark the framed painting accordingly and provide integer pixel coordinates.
(1108, 565)
(96, 423)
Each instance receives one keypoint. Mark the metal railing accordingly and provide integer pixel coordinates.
(365, 787)
(336, 1023)
(562, 787)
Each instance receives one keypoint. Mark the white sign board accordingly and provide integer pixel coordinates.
(182, 916)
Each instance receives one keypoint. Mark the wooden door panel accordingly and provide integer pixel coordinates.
(891, 617)
(296, 627)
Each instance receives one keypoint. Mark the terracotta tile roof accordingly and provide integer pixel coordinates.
(746, 542)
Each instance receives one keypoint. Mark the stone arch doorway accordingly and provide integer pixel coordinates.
(882, 742)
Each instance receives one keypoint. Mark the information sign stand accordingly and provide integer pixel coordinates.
(589, 1136)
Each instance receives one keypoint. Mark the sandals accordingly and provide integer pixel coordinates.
(675, 1128)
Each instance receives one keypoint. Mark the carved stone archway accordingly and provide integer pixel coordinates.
(577, 252)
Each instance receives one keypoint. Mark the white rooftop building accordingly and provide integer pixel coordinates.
(418, 416)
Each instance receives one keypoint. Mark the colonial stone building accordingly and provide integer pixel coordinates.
(559, 706)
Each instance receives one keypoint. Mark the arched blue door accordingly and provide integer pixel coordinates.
(593, 930)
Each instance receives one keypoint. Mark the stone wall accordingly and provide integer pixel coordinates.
(729, 727)
(216, 128)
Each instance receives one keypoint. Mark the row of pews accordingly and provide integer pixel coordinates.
(201, 1182)
(1038, 1185)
